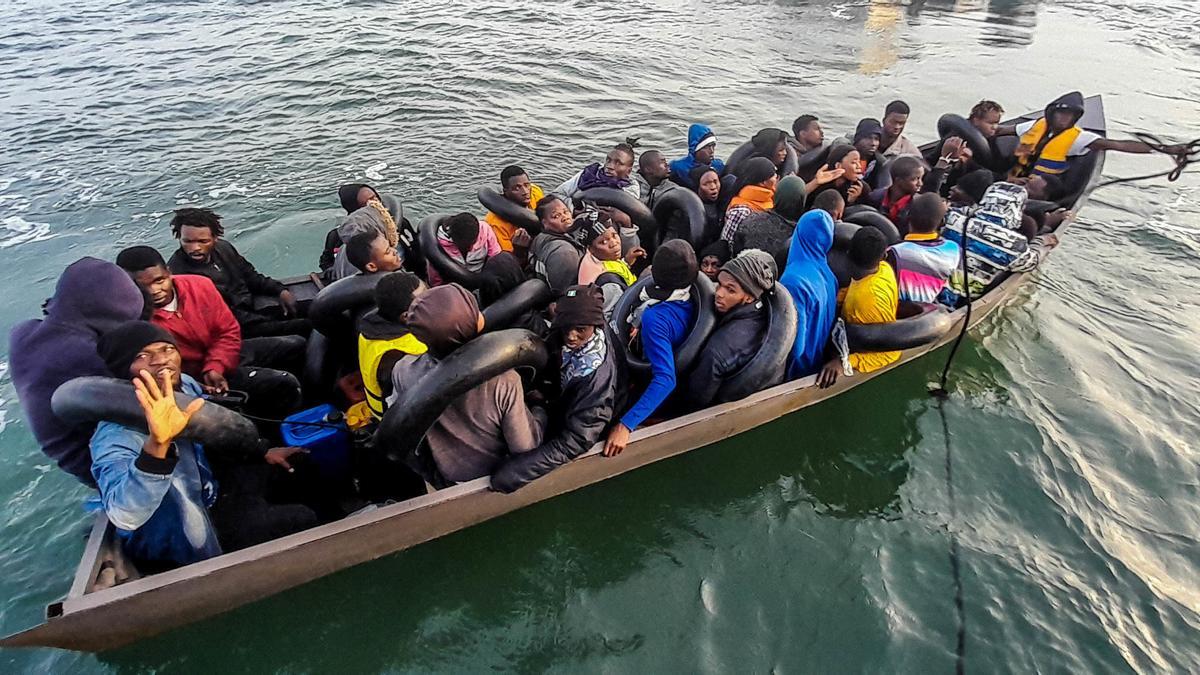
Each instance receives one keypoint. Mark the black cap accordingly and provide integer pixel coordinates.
(120, 346)
(674, 268)
(580, 306)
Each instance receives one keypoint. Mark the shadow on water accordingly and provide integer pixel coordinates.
(1008, 23)
(436, 597)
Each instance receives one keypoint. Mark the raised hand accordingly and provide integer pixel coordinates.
(164, 419)
(825, 175)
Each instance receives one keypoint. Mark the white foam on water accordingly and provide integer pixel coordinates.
(15, 230)
(375, 171)
(232, 189)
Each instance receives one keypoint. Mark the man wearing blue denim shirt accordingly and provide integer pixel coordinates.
(158, 490)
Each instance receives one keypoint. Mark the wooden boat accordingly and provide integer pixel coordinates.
(97, 615)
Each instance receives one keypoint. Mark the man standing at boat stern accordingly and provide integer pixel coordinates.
(158, 489)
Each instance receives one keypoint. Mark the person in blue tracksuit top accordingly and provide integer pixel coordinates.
(702, 151)
(666, 320)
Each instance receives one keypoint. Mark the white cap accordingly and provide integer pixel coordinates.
(706, 141)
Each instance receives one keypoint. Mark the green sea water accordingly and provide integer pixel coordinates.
(820, 543)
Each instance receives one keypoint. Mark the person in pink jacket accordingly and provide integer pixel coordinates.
(466, 239)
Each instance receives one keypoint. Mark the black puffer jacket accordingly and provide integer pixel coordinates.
(737, 338)
(587, 407)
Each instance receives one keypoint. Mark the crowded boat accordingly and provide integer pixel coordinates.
(211, 408)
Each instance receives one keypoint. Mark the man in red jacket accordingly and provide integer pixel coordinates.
(209, 339)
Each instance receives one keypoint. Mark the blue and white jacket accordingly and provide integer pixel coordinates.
(159, 506)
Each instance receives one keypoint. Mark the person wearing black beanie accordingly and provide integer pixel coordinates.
(592, 379)
(157, 486)
(741, 326)
(124, 345)
(674, 269)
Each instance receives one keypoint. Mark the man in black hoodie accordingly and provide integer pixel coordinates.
(741, 284)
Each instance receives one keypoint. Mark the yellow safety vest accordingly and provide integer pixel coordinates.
(370, 353)
(1053, 158)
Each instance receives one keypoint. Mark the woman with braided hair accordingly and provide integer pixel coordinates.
(368, 210)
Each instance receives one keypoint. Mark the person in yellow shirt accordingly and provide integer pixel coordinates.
(384, 336)
(516, 188)
(872, 297)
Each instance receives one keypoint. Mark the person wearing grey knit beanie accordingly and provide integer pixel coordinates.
(742, 325)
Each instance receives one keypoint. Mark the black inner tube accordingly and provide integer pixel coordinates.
(951, 124)
(406, 422)
(330, 310)
(684, 201)
(926, 323)
(808, 163)
(96, 399)
(529, 295)
(791, 163)
(450, 269)
(519, 216)
(631, 206)
(769, 365)
(843, 232)
(869, 217)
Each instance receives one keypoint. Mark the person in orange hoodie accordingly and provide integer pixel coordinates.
(755, 193)
(516, 188)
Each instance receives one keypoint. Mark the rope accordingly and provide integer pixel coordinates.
(1189, 154)
(939, 390)
(955, 556)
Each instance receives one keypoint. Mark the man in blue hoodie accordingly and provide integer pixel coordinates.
(810, 281)
(92, 297)
(702, 150)
(668, 317)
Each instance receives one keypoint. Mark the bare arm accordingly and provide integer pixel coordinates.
(1137, 147)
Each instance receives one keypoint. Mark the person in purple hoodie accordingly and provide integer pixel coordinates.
(91, 298)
